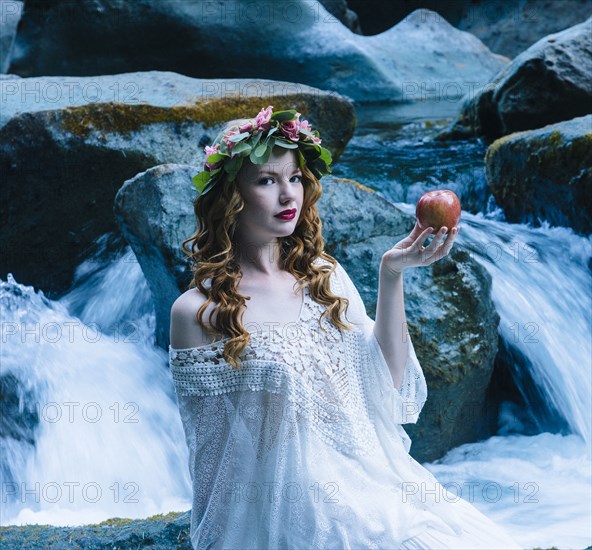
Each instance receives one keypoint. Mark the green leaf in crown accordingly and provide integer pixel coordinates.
(285, 116)
(201, 180)
(256, 140)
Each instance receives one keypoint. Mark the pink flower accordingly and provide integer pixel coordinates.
(304, 125)
(212, 151)
(247, 127)
(226, 139)
(291, 128)
(262, 120)
(317, 140)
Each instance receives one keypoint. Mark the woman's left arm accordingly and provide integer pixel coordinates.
(390, 328)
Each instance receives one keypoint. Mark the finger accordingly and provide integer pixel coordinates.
(450, 240)
(417, 227)
(417, 245)
(416, 231)
(452, 235)
(437, 240)
(447, 245)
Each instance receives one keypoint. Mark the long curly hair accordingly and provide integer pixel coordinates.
(211, 251)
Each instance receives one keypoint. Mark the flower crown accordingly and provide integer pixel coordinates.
(256, 140)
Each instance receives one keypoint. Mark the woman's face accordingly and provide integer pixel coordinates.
(268, 189)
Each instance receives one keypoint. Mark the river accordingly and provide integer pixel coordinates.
(97, 433)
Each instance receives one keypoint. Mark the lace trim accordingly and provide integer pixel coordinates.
(309, 367)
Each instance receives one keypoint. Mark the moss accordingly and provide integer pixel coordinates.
(552, 153)
(29, 526)
(581, 148)
(357, 184)
(495, 146)
(550, 141)
(125, 118)
(153, 531)
(111, 522)
(171, 516)
(554, 138)
(115, 522)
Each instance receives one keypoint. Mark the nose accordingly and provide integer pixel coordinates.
(288, 191)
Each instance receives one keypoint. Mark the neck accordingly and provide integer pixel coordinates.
(259, 259)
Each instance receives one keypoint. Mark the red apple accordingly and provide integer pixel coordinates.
(438, 208)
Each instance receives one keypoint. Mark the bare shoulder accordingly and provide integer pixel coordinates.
(188, 300)
(185, 331)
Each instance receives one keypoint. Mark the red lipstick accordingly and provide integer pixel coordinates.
(286, 214)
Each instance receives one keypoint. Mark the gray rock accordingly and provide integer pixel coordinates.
(429, 59)
(506, 27)
(509, 27)
(450, 313)
(170, 531)
(547, 83)
(154, 211)
(10, 15)
(297, 41)
(68, 143)
(160, 531)
(545, 174)
(340, 10)
(377, 16)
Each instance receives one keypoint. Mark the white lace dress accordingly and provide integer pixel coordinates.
(303, 446)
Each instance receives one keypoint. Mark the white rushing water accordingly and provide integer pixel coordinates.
(538, 486)
(109, 441)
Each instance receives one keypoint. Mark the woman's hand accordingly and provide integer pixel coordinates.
(410, 251)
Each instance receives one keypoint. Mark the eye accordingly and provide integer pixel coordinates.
(263, 180)
(298, 177)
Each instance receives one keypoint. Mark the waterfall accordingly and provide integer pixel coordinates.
(538, 486)
(90, 425)
(96, 430)
(542, 290)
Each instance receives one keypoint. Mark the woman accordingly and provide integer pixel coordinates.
(292, 405)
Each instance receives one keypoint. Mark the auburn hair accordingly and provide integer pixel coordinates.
(211, 251)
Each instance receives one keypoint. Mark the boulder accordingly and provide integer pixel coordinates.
(68, 143)
(506, 27)
(547, 83)
(10, 14)
(377, 16)
(509, 27)
(545, 174)
(160, 531)
(340, 10)
(297, 41)
(154, 211)
(428, 59)
(452, 320)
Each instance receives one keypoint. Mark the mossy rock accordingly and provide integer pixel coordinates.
(545, 175)
(547, 83)
(160, 531)
(63, 161)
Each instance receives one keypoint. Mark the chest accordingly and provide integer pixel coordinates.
(279, 306)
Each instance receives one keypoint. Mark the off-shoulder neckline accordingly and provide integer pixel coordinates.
(217, 343)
